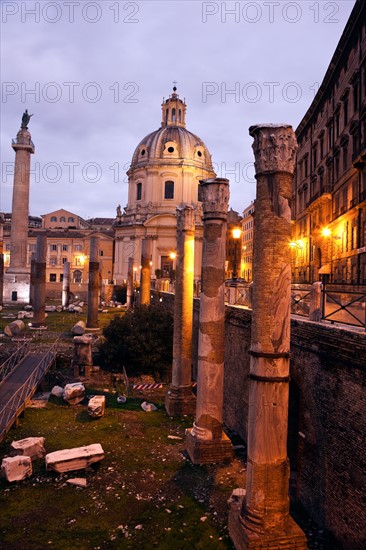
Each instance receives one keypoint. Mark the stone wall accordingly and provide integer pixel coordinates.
(327, 419)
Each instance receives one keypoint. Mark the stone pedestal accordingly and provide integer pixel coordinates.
(39, 296)
(262, 520)
(206, 441)
(179, 399)
(93, 286)
(66, 285)
(145, 290)
(82, 360)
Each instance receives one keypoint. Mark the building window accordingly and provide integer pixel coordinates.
(101, 253)
(306, 167)
(354, 237)
(62, 219)
(53, 277)
(61, 277)
(315, 159)
(71, 219)
(138, 191)
(345, 158)
(53, 247)
(169, 190)
(65, 247)
(337, 125)
(78, 247)
(355, 95)
(53, 219)
(77, 276)
(32, 247)
(174, 118)
(321, 147)
(64, 260)
(345, 111)
(53, 260)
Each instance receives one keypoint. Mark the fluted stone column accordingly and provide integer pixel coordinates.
(131, 263)
(262, 519)
(206, 441)
(145, 290)
(93, 285)
(39, 296)
(179, 399)
(66, 285)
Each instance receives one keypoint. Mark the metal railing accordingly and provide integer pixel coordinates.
(14, 359)
(300, 300)
(344, 306)
(16, 404)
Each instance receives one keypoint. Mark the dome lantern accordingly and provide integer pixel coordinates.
(173, 111)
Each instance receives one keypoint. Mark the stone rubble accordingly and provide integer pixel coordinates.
(16, 468)
(57, 391)
(148, 407)
(30, 446)
(96, 406)
(74, 393)
(77, 458)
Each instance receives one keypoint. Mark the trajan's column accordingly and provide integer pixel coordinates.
(18, 273)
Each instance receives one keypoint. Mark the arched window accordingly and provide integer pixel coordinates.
(53, 219)
(180, 115)
(77, 276)
(71, 220)
(62, 219)
(174, 117)
(139, 191)
(166, 115)
(169, 190)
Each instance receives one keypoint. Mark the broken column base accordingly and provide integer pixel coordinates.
(286, 537)
(180, 401)
(208, 451)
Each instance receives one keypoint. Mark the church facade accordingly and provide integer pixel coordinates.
(165, 171)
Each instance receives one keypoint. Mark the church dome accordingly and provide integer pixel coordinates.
(172, 143)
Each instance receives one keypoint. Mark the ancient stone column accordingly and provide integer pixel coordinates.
(66, 285)
(17, 283)
(82, 360)
(33, 264)
(93, 286)
(179, 399)
(206, 441)
(39, 296)
(145, 290)
(262, 519)
(315, 309)
(130, 273)
(1, 260)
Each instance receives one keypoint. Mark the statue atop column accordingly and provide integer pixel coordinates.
(25, 120)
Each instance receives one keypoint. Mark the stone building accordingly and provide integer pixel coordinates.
(68, 240)
(247, 242)
(329, 201)
(165, 170)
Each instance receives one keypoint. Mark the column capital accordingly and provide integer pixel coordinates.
(215, 198)
(274, 147)
(185, 217)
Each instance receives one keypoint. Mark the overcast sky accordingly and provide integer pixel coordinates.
(94, 75)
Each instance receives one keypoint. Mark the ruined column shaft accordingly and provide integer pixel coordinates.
(32, 276)
(1, 278)
(131, 263)
(66, 284)
(179, 399)
(93, 285)
(39, 296)
(145, 290)
(206, 442)
(266, 506)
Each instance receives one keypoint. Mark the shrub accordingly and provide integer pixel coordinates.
(141, 340)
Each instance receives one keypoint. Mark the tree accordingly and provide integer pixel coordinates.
(141, 340)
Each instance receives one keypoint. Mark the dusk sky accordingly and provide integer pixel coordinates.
(94, 75)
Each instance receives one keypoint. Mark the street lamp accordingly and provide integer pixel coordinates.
(236, 236)
(172, 256)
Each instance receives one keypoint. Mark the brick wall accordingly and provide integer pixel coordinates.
(327, 416)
